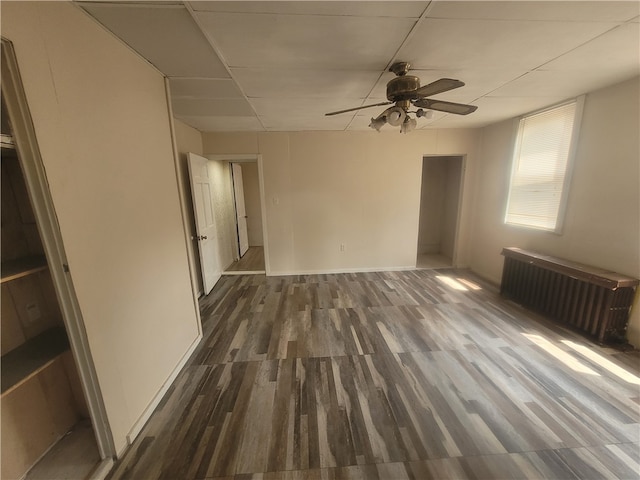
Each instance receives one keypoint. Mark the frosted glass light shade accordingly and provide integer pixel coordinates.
(408, 125)
(395, 116)
(378, 123)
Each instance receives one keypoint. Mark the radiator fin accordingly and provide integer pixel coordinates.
(588, 299)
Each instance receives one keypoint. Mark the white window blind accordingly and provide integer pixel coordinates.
(540, 160)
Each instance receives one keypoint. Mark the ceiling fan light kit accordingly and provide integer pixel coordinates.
(408, 125)
(377, 123)
(395, 116)
(405, 91)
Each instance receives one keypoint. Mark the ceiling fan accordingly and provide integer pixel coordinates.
(404, 91)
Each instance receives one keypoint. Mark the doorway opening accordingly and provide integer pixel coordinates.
(439, 211)
(215, 223)
(245, 179)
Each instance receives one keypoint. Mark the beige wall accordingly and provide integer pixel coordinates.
(453, 177)
(251, 184)
(602, 223)
(189, 140)
(102, 125)
(431, 204)
(360, 189)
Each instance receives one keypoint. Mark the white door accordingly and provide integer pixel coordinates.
(241, 212)
(201, 192)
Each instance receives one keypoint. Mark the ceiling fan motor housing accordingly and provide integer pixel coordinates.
(402, 88)
(405, 91)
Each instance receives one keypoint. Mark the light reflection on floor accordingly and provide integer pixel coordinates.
(603, 362)
(560, 354)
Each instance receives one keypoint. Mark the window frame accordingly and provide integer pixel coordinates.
(568, 174)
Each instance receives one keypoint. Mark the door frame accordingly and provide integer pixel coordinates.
(234, 184)
(463, 168)
(251, 158)
(47, 221)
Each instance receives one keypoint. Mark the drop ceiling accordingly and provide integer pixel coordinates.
(279, 66)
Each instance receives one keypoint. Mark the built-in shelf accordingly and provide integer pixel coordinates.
(14, 269)
(31, 357)
(7, 141)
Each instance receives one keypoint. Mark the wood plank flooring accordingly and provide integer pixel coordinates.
(252, 261)
(395, 375)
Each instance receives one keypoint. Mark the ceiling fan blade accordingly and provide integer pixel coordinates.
(449, 107)
(439, 86)
(357, 108)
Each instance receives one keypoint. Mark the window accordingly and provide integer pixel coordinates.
(540, 171)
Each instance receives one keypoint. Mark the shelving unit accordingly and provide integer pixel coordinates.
(30, 358)
(22, 267)
(6, 141)
(41, 394)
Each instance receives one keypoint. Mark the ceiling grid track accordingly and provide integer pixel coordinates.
(394, 58)
(281, 66)
(488, 94)
(218, 52)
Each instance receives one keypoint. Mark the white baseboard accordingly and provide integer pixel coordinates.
(341, 270)
(140, 423)
(244, 272)
(102, 470)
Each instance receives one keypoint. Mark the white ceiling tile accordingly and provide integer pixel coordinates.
(563, 84)
(302, 41)
(411, 9)
(165, 35)
(234, 107)
(494, 45)
(455, 121)
(257, 82)
(560, 11)
(494, 109)
(307, 107)
(204, 88)
(222, 124)
(302, 122)
(539, 84)
(618, 50)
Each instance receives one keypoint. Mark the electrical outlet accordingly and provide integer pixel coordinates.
(343, 247)
(33, 312)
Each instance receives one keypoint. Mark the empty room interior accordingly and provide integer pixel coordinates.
(320, 240)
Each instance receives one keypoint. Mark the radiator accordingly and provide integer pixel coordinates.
(596, 302)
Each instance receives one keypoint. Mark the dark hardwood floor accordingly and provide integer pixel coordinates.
(396, 375)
